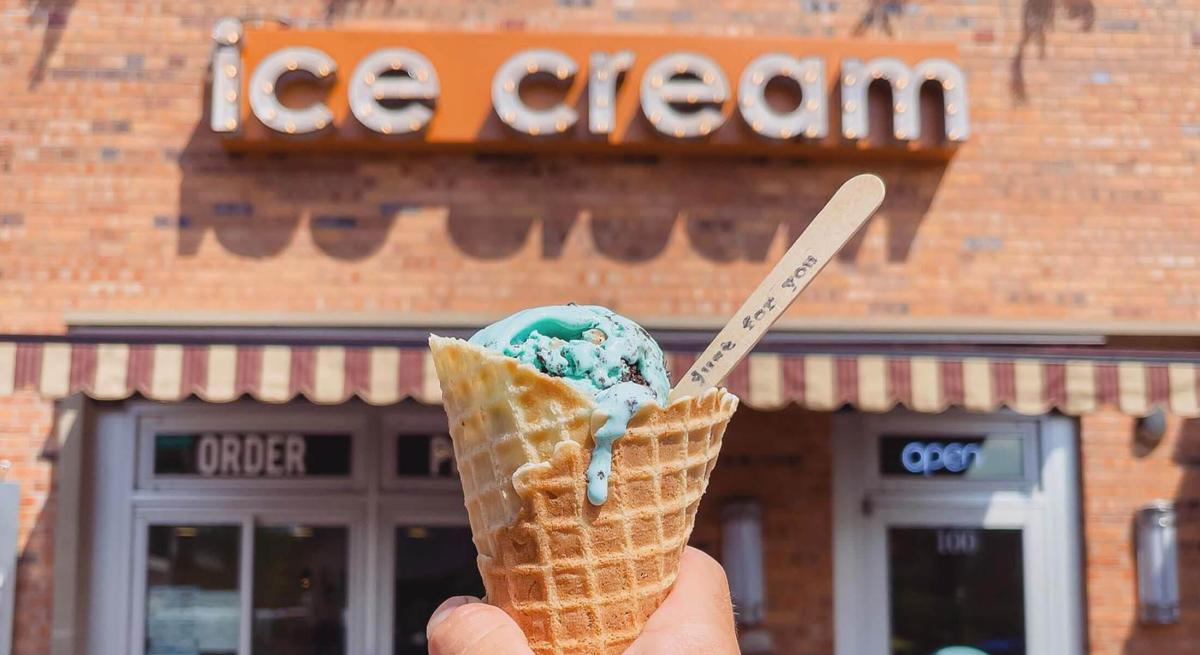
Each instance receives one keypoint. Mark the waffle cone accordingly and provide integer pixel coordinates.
(578, 579)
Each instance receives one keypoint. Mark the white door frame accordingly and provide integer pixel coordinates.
(123, 500)
(248, 518)
(1045, 504)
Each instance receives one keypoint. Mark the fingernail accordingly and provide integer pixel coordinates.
(444, 610)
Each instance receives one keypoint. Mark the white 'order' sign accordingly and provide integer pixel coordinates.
(272, 455)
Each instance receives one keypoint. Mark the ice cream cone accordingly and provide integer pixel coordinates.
(578, 578)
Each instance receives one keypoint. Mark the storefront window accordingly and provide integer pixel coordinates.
(432, 564)
(425, 456)
(300, 590)
(273, 533)
(956, 587)
(192, 603)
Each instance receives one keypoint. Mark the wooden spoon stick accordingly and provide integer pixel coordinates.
(844, 214)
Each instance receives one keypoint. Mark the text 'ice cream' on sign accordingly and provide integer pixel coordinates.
(282, 88)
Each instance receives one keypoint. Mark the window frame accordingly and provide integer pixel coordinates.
(876, 427)
(1035, 602)
(143, 520)
(418, 421)
(121, 502)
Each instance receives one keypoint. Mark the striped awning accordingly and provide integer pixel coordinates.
(824, 381)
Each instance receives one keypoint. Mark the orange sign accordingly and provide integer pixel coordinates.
(276, 88)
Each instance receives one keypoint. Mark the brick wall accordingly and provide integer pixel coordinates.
(1117, 480)
(783, 460)
(25, 437)
(1072, 201)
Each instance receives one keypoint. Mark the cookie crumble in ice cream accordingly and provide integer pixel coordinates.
(597, 351)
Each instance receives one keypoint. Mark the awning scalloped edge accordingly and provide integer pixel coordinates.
(386, 375)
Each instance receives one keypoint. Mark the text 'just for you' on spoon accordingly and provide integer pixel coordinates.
(845, 213)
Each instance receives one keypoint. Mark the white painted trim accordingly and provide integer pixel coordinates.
(10, 511)
(421, 420)
(386, 569)
(137, 587)
(107, 583)
(245, 586)
(1047, 508)
(944, 426)
(849, 597)
(371, 584)
(1060, 461)
(71, 427)
(114, 578)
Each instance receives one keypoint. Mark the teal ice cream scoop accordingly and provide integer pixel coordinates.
(597, 351)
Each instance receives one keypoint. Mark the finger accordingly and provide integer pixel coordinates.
(465, 625)
(697, 616)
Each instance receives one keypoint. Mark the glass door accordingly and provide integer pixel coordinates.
(426, 557)
(301, 589)
(956, 535)
(193, 598)
(950, 582)
(430, 564)
(244, 583)
(425, 549)
(956, 587)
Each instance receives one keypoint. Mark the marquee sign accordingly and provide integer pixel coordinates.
(276, 88)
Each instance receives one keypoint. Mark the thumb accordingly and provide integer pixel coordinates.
(465, 625)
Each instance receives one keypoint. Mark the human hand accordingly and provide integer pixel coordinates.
(695, 619)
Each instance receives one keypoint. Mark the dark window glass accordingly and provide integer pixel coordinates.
(253, 455)
(971, 458)
(175, 454)
(956, 587)
(432, 564)
(300, 590)
(192, 603)
(425, 456)
(327, 454)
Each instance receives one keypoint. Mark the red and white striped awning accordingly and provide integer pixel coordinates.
(385, 375)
